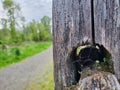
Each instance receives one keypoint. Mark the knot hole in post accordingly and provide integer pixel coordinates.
(95, 57)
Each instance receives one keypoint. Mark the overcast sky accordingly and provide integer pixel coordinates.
(33, 9)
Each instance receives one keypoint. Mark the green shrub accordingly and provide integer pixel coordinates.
(0, 41)
(17, 52)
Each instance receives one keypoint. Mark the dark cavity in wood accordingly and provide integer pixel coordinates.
(92, 22)
(94, 57)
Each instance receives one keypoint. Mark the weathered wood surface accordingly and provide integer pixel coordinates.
(71, 25)
(107, 28)
(97, 81)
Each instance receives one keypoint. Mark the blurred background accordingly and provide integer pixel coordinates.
(26, 37)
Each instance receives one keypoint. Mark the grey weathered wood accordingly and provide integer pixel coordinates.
(107, 28)
(71, 24)
(97, 81)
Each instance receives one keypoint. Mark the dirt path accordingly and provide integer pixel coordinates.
(17, 77)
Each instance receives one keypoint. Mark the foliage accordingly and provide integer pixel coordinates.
(46, 22)
(12, 12)
(15, 53)
(38, 31)
(12, 35)
(31, 31)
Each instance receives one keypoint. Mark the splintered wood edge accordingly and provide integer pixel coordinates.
(97, 75)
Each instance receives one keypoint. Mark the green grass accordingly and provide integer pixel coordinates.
(44, 81)
(17, 53)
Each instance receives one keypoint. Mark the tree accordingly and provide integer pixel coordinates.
(12, 10)
(34, 30)
(46, 22)
(39, 30)
(4, 28)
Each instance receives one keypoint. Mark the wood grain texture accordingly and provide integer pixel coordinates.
(107, 28)
(71, 24)
(97, 81)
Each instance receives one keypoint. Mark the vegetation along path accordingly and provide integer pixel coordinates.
(19, 76)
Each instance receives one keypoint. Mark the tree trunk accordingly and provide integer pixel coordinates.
(72, 25)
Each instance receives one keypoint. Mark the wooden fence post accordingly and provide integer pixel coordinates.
(107, 28)
(72, 27)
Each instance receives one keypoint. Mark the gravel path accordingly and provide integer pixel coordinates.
(18, 76)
